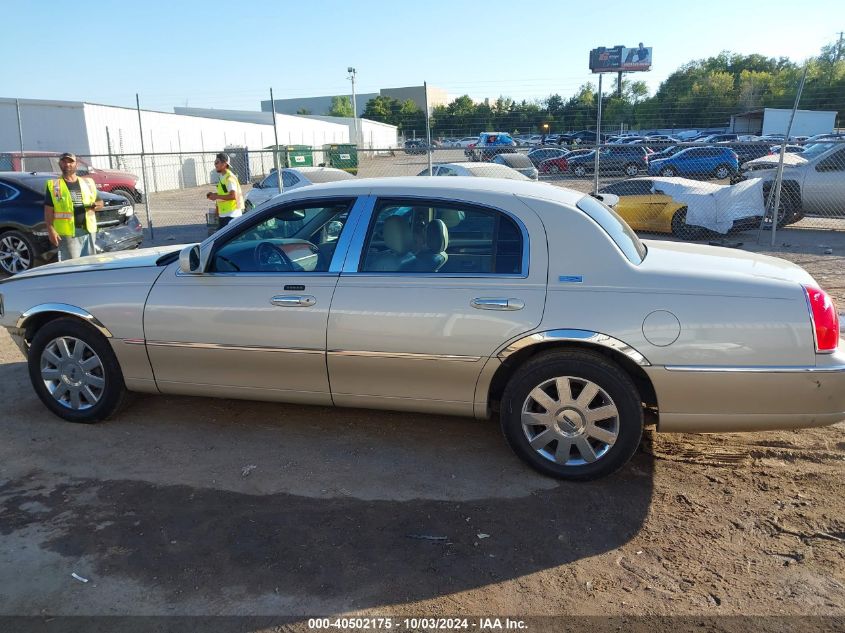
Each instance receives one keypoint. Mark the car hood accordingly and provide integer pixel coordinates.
(144, 257)
(789, 160)
(115, 173)
(718, 263)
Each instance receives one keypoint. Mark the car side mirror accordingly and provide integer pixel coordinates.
(189, 260)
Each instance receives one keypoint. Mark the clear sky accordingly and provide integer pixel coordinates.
(229, 54)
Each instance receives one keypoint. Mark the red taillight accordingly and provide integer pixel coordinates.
(825, 319)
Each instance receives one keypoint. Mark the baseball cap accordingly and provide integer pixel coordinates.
(69, 156)
(223, 157)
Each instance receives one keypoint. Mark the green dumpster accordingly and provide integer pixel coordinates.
(342, 156)
(294, 155)
(298, 156)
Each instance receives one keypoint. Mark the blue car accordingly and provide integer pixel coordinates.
(716, 162)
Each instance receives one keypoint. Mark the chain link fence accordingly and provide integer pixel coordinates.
(689, 190)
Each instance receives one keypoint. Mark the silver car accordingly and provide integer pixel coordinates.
(534, 305)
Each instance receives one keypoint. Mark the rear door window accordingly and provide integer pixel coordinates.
(37, 163)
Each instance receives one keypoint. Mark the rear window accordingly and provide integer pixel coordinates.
(618, 230)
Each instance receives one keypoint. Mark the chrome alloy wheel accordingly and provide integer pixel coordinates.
(72, 373)
(570, 421)
(15, 256)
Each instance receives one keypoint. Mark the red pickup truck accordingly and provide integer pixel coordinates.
(117, 182)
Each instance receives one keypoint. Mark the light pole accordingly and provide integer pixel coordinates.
(351, 77)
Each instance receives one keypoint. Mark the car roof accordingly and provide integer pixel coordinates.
(321, 174)
(461, 187)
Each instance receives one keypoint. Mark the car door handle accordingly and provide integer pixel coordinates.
(293, 301)
(497, 304)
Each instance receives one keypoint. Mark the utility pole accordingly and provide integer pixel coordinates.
(351, 77)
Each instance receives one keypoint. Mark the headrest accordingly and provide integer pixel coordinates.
(452, 217)
(436, 236)
(397, 234)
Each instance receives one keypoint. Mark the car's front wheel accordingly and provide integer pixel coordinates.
(579, 170)
(668, 172)
(75, 372)
(572, 415)
(17, 252)
(631, 170)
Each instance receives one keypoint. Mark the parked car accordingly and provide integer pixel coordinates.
(23, 234)
(688, 208)
(748, 150)
(517, 162)
(790, 149)
(120, 183)
(813, 180)
(584, 137)
(482, 170)
(540, 154)
(547, 312)
(666, 152)
(489, 145)
(715, 162)
(716, 138)
(417, 146)
(627, 159)
(292, 178)
(466, 141)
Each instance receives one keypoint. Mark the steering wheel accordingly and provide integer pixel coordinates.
(269, 257)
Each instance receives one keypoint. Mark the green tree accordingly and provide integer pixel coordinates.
(341, 106)
(303, 111)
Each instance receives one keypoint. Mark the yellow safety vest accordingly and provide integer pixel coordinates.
(226, 207)
(63, 206)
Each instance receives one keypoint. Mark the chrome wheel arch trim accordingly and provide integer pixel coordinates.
(62, 308)
(579, 336)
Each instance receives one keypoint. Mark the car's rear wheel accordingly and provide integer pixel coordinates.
(681, 229)
(17, 252)
(669, 172)
(75, 372)
(572, 415)
(579, 170)
(553, 169)
(631, 169)
(722, 172)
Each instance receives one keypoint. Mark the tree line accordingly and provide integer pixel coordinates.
(701, 93)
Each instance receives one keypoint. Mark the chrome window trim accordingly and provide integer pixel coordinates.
(62, 308)
(583, 336)
(16, 194)
(353, 257)
(406, 355)
(224, 347)
(757, 369)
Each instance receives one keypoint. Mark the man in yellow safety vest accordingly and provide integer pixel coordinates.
(229, 199)
(70, 205)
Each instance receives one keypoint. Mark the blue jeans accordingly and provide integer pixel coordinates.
(80, 245)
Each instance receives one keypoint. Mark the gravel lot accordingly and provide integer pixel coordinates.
(189, 506)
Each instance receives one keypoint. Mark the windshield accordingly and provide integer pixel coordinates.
(818, 148)
(618, 230)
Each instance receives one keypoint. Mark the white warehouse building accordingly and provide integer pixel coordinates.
(184, 144)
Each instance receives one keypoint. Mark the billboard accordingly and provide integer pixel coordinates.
(620, 59)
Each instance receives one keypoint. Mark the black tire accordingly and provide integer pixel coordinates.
(17, 252)
(669, 172)
(579, 171)
(578, 366)
(722, 171)
(553, 169)
(631, 170)
(681, 229)
(113, 391)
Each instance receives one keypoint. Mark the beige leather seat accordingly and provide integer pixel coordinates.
(399, 240)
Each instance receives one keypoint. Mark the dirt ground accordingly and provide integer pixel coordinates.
(189, 506)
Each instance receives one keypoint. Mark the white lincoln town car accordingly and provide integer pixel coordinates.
(534, 305)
